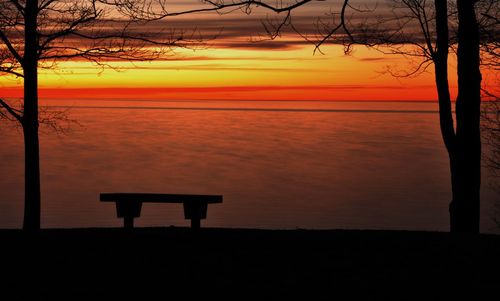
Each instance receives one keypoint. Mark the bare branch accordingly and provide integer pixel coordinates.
(336, 28)
(490, 133)
(18, 5)
(57, 120)
(420, 68)
(15, 113)
(147, 14)
(423, 20)
(45, 4)
(274, 29)
(11, 48)
(71, 28)
(11, 71)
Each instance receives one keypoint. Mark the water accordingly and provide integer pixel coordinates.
(377, 165)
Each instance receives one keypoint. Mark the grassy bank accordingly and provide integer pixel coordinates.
(150, 263)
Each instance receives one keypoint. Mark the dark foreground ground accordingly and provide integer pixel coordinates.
(161, 263)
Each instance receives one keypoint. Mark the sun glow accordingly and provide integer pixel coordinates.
(220, 73)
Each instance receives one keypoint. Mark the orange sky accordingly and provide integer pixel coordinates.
(233, 68)
(251, 74)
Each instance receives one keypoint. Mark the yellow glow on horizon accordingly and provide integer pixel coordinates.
(225, 67)
(295, 67)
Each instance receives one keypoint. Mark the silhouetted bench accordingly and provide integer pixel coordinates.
(128, 205)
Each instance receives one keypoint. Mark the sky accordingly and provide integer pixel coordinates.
(254, 74)
(238, 62)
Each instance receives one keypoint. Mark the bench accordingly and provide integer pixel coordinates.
(128, 205)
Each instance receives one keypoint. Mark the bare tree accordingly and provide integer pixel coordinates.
(37, 34)
(425, 32)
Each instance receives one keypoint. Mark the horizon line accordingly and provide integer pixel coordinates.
(117, 99)
(250, 109)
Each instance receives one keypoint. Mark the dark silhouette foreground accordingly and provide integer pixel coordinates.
(161, 263)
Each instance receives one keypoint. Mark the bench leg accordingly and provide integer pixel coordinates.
(195, 212)
(128, 222)
(195, 223)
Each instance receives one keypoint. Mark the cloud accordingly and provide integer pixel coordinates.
(206, 67)
(375, 59)
(262, 45)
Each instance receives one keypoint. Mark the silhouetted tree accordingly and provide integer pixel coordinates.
(39, 33)
(420, 29)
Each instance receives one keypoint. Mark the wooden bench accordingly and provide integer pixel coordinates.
(128, 205)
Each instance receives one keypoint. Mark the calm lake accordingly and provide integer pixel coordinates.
(279, 165)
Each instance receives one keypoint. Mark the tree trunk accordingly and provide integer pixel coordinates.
(32, 177)
(466, 164)
(440, 58)
(30, 121)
